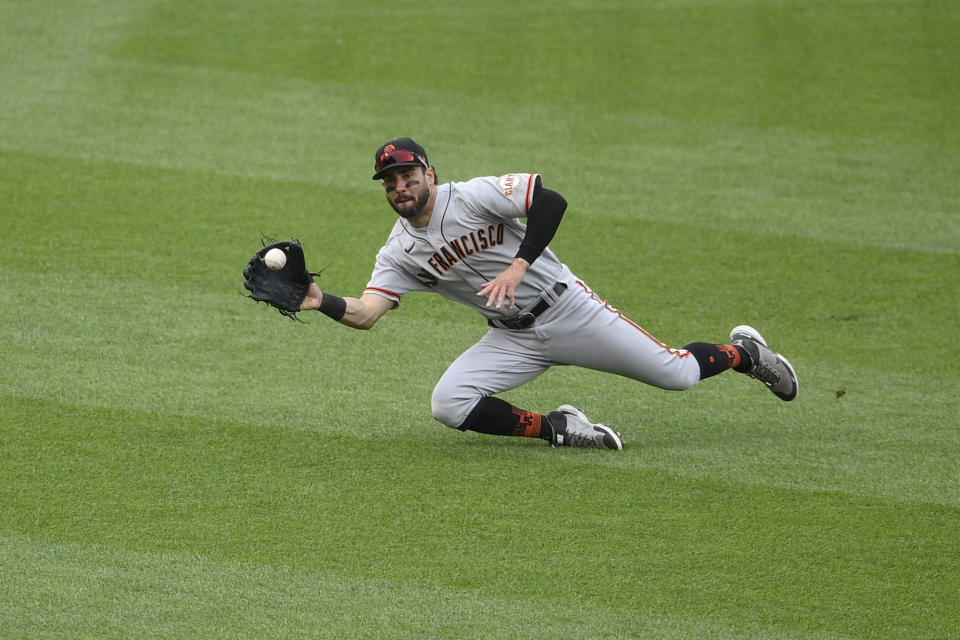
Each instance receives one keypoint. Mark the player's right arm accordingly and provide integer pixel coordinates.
(544, 212)
(360, 313)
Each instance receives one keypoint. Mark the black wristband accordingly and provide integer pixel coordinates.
(333, 306)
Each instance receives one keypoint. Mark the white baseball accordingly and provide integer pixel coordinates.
(275, 259)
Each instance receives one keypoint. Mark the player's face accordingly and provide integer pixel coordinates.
(408, 190)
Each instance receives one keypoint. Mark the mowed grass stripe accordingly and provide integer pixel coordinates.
(198, 108)
(198, 354)
(52, 590)
(629, 540)
(822, 189)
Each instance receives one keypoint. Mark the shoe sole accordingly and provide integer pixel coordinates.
(569, 408)
(752, 334)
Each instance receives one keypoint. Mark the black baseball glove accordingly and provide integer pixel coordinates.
(283, 288)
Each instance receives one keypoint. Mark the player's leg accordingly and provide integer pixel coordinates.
(464, 397)
(584, 330)
(598, 336)
(500, 361)
(747, 353)
(568, 426)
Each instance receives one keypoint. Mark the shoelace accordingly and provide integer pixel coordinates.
(765, 373)
(577, 439)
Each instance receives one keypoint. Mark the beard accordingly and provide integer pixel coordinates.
(414, 210)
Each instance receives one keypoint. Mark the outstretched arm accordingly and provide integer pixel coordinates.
(359, 313)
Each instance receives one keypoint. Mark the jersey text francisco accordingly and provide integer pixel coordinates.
(461, 248)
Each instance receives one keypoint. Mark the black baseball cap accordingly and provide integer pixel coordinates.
(399, 152)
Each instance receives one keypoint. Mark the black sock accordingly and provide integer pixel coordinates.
(746, 363)
(498, 417)
(715, 358)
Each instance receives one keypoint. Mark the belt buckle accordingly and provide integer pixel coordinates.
(525, 320)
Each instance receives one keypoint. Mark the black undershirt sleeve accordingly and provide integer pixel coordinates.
(543, 219)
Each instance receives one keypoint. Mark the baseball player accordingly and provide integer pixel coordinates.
(466, 241)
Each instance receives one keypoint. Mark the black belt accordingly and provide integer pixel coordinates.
(525, 319)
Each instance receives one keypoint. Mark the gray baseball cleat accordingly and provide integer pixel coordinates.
(572, 428)
(766, 365)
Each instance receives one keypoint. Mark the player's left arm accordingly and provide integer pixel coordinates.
(543, 219)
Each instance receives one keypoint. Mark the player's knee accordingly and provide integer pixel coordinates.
(681, 381)
(450, 407)
(684, 375)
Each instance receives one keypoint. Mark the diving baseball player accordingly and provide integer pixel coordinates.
(466, 241)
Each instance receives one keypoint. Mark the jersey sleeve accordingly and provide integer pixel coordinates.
(506, 196)
(389, 279)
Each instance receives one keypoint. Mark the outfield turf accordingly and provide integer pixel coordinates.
(177, 461)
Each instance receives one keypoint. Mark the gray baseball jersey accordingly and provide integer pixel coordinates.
(473, 235)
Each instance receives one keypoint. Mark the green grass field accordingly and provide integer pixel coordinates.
(178, 462)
